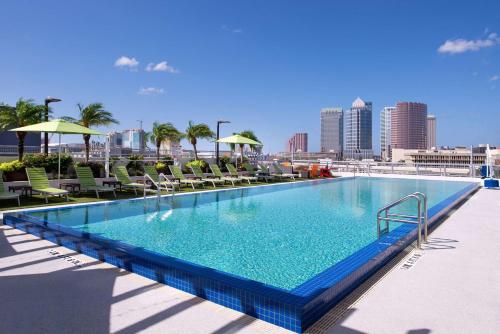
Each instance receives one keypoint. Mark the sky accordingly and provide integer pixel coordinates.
(268, 66)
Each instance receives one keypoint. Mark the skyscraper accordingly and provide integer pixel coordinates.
(134, 139)
(332, 129)
(358, 131)
(385, 132)
(409, 126)
(431, 131)
(298, 142)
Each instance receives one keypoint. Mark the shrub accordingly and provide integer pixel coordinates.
(12, 166)
(196, 163)
(49, 162)
(223, 161)
(167, 160)
(96, 167)
(134, 166)
(162, 167)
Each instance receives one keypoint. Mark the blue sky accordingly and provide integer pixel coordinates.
(269, 66)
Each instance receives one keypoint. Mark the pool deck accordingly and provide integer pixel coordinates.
(451, 287)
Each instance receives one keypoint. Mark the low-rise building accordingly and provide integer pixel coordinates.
(456, 156)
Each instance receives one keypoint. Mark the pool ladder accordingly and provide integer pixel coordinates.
(383, 215)
(158, 185)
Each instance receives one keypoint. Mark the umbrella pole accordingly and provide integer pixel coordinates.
(59, 163)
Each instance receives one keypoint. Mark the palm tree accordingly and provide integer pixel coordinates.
(198, 131)
(93, 114)
(162, 132)
(26, 112)
(250, 135)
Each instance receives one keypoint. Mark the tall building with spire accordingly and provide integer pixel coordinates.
(358, 131)
(385, 133)
(332, 130)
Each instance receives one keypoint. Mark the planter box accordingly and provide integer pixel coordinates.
(18, 175)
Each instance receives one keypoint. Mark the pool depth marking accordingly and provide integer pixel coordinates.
(68, 258)
(411, 261)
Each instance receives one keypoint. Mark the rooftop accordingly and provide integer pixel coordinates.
(449, 286)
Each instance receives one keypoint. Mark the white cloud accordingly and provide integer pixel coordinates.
(461, 45)
(161, 67)
(126, 62)
(494, 78)
(150, 91)
(233, 30)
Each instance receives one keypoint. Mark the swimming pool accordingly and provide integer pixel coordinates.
(282, 253)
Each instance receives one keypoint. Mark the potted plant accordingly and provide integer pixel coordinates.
(13, 171)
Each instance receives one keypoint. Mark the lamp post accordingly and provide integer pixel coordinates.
(46, 119)
(219, 122)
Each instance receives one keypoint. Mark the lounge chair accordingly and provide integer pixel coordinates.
(199, 174)
(40, 183)
(155, 177)
(263, 169)
(258, 174)
(178, 175)
(279, 172)
(218, 174)
(234, 173)
(5, 194)
(87, 182)
(121, 175)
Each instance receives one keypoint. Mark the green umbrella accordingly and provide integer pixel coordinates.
(239, 139)
(58, 126)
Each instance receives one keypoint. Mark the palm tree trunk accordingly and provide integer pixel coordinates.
(195, 152)
(158, 144)
(241, 152)
(20, 145)
(86, 139)
(193, 142)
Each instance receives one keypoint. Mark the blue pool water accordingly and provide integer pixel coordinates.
(279, 235)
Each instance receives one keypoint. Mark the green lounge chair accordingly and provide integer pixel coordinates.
(40, 183)
(155, 177)
(234, 173)
(5, 194)
(263, 168)
(121, 175)
(178, 175)
(218, 174)
(259, 174)
(279, 172)
(87, 181)
(199, 174)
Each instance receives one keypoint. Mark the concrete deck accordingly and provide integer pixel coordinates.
(452, 286)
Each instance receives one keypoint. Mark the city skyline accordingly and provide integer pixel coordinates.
(172, 64)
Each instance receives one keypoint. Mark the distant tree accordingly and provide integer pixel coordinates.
(91, 115)
(197, 131)
(250, 135)
(26, 112)
(162, 132)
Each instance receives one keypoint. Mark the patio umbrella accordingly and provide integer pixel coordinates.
(238, 139)
(60, 127)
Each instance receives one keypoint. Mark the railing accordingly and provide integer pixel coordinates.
(383, 215)
(427, 169)
(158, 184)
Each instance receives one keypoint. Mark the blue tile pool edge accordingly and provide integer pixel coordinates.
(327, 288)
(295, 310)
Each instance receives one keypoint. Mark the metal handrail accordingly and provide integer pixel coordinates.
(158, 184)
(402, 218)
